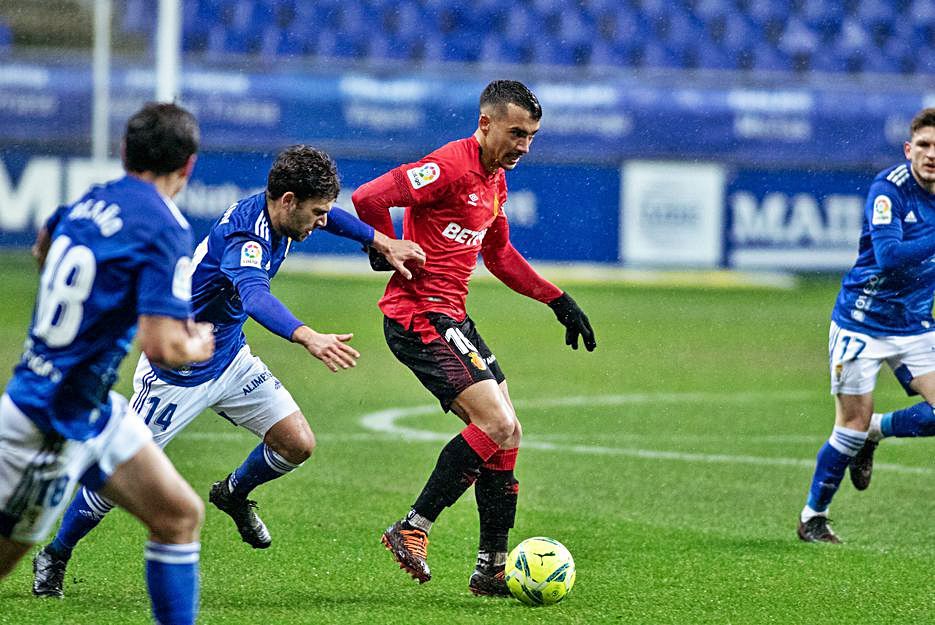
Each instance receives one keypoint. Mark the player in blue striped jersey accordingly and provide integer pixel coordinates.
(883, 313)
(118, 257)
(231, 281)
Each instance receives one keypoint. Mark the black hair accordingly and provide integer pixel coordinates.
(499, 93)
(307, 172)
(160, 138)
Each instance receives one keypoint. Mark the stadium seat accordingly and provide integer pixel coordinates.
(799, 35)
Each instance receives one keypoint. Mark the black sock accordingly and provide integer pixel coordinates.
(455, 471)
(496, 492)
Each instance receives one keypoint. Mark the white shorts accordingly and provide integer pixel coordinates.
(855, 359)
(246, 394)
(38, 473)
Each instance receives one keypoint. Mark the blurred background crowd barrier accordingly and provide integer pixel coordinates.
(690, 134)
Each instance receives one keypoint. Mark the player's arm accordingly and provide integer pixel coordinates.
(395, 252)
(510, 267)
(242, 263)
(411, 184)
(44, 237)
(886, 214)
(372, 201)
(269, 312)
(171, 343)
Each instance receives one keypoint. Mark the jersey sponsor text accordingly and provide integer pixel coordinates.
(463, 235)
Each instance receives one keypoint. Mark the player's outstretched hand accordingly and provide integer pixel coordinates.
(387, 254)
(331, 349)
(575, 321)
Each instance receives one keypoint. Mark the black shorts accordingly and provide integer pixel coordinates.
(450, 362)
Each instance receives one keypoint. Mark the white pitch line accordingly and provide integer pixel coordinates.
(386, 422)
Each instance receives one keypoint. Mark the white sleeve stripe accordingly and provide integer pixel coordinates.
(898, 175)
(261, 227)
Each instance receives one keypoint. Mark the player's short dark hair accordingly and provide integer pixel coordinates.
(499, 93)
(307, 172)
(924, 118)
(160, 138)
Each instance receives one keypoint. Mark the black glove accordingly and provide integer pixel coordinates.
(574, 320)
(378, 261)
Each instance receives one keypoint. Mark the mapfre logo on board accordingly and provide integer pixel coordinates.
(424, 175)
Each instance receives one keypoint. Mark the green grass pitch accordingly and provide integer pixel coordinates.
(672, 462)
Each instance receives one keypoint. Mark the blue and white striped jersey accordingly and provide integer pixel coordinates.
(898, 300)
(120, 251)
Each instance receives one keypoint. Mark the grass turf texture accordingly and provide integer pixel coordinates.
(677, 497)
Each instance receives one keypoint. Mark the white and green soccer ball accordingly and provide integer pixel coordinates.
(540, 571)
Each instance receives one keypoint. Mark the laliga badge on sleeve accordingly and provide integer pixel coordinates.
(882, 210)
(251, 255)
(423, 176)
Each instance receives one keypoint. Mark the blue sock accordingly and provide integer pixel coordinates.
(172, 578)
(917, 420)
(262, 465)
(833, 458)
(87, 509)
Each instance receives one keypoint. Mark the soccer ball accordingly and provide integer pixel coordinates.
(540, 571)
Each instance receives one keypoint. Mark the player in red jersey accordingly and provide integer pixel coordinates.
(454, 199)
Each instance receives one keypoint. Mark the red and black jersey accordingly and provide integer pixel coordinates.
(454, 210)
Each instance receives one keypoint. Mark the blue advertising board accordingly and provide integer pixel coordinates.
(602, 121)
(792, 219)
(556, 212)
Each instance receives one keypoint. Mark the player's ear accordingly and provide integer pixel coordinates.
(189, 166)
(907, 149)
(483, 122)
(288, 200)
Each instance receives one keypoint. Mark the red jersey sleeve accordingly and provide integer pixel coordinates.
(372, 201)
(508, 265)
(423, 182)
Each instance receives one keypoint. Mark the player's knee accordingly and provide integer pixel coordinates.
(857, 420)
(301, 450)
(502, 429)
(516, 437)
(180, 521)
(292, 439)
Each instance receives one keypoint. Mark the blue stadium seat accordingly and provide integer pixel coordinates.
(654, 54)
(797, 35)
(711, 56)
(768, 58)
(798, 39)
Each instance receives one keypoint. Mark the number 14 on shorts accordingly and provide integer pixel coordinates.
(164, 420)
